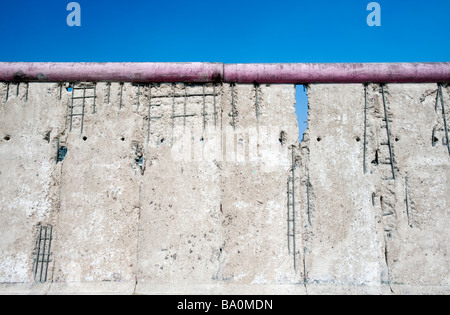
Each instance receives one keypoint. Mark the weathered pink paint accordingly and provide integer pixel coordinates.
(338, 73)
(117, 72)
(290, 73)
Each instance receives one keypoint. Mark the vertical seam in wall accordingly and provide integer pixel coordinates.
(57, 219)
(365, 129)
(136, 272)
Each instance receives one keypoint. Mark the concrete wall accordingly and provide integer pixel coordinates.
(366, 229)
(194, 194)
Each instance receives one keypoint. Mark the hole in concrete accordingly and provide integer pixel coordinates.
(301, 109)
(138, 157)
(358, 139)
(7, 138)
(202, 139)
(122, 139)
(375, 162)
(319, 139)
(435, 140)
(47, 137)
(163, 140)
(282, 138)
(84, 138)
(62, 152)
(397, 139)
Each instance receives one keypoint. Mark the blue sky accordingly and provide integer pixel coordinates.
(231, 31)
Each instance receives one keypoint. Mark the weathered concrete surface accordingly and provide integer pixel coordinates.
(28, 174)
(190, 195)
(195, 214)
(364, 230)
(343, 235)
